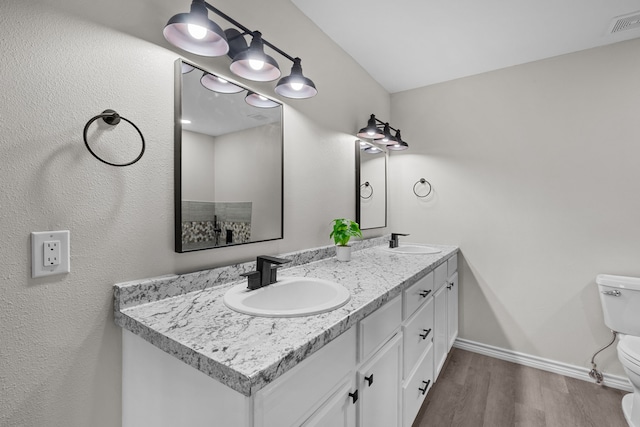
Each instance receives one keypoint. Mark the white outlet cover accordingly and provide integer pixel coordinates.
(38, 239)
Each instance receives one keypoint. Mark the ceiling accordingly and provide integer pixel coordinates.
(407, 44)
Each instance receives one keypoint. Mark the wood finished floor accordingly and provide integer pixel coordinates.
(475, 390)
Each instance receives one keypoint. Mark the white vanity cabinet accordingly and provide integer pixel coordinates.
(446, 311)
(377, 373)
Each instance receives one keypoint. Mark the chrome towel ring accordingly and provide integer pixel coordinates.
(112, 118)
(424, 182)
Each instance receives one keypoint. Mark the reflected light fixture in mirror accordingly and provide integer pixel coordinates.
(194, 32)
(260, 101)
(218, 84)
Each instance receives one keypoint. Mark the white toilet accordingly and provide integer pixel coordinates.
(620, 297)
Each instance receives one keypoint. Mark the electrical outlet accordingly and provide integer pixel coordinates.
(50, 253)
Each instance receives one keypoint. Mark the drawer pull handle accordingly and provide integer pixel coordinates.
(426, 386)
(449, 286)
(369, 379)
(426, 333)
(425, 293)
(354, 396)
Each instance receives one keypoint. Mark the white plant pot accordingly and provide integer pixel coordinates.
(343, 253)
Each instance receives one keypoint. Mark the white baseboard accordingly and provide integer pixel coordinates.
(573, 371)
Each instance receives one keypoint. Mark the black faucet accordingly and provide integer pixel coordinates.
(266, 271)
(393, 243)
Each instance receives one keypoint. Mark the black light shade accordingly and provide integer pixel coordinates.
(399, 145)
(371, 130)
(254, 64)
(218, 84)
(194, 32)
(387, 138)
(296, 85)
(259, 101)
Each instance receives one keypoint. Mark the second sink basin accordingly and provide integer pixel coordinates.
(413, 248)
(288, 297)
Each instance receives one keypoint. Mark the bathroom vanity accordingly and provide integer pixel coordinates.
(190, 360)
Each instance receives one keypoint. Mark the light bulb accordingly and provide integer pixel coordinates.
(263, 98)
(256, 64)
(196, 31)
(221, 80)
(370, 133)
(296, 86)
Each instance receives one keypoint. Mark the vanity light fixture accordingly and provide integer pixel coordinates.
(260, 101)
(194, 32)
(382, 136)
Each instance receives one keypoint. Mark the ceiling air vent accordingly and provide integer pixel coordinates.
(625, 22)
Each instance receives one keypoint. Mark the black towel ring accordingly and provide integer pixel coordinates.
(366, 184)
(112, 118)
(422, 181)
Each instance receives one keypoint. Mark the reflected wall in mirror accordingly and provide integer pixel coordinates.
(371, 185)
(228, 163)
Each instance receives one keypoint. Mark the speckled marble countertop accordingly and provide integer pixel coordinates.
(186, 317)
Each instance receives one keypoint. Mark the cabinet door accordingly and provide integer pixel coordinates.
(440, 336)
(452, 310)
(379, 386)
(338, 411)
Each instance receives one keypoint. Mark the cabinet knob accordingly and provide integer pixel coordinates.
(425, 293)
(426, 333)
(354, 396)
(426, 386)
(369, 379)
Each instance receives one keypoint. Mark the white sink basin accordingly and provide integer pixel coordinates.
(288, 297)
(413, 248)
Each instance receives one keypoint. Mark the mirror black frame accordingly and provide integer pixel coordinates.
(177, 171)
(358, 189)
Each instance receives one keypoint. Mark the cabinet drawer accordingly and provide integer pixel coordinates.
(452, 265)
(440, 275)
(293, 397)
(416, 387)
(418, 336)
(376, 328)
(416, 294)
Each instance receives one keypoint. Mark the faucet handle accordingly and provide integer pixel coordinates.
(273, 260)
(395, 235)
(253, 279)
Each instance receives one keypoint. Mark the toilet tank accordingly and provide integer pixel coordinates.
(620, 298)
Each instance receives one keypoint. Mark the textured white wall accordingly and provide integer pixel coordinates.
(60, 353)
(535, 175)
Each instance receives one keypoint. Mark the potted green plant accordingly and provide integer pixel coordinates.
(343, 230)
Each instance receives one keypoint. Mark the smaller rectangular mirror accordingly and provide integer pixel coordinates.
(371, 185)
(228, 162)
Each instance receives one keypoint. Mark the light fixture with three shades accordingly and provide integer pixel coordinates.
(194, 32)
(382, 135)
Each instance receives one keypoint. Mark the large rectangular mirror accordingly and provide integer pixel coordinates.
(228, 162)
(371, 185)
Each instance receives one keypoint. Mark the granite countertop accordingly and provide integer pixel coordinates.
(186, 317)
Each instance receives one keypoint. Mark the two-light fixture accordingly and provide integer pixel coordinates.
(381, 136)
(194, 32)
